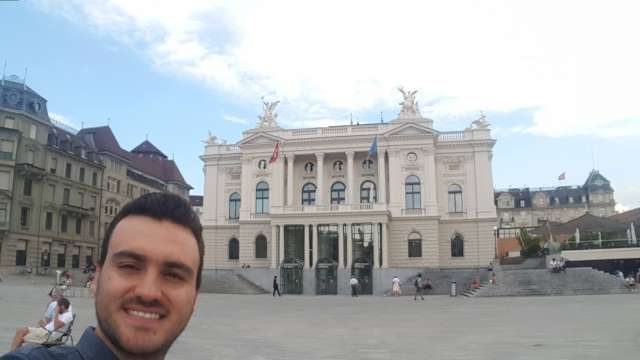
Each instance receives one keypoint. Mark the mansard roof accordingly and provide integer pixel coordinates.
(17, 96)
(104, 140)
(597, 181)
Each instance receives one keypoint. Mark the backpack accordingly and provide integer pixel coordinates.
(416, 283)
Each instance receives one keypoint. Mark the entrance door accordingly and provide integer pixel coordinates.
(327, 277)
(291, 276)
(361, 269)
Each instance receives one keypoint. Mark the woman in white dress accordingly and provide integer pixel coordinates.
(395, 287)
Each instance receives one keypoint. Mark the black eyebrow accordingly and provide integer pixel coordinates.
(176, 265)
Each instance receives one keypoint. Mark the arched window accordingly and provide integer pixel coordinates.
(412, 192)
(367, 164)
(234, 206)
(309, 194)
(337, 193)
(457, 245)
(234, 249)
(368, 192)
(415, 245)
(262, 198)
(261, 247)
(455, 198)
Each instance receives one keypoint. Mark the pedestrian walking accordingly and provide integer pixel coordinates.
(276, 288)
(354, 286)
(395, 286)
(419, 290)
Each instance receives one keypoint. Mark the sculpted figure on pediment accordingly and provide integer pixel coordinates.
(409, 105)
(481, 123)
(269, 116)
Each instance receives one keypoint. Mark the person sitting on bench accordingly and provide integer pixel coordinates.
(50, 332)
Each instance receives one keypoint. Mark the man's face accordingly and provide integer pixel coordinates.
(146, 289)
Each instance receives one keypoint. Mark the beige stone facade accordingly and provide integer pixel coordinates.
(422, 189)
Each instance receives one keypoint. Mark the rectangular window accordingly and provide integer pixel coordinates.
(415, 247)
(130, 189)
(522, 203)
(94, 179)
(6, 150)
(94, 202)
(5, 180)
(118, 186)
(62, 256)
(81, 196)
(92, 228)
(67, 170)
(48, 221)
(21, 253)
(81, 175)
(66, 195)
(24, 216)
(78, 226)
(63, 223)
(9, 122)
(33, 131)
(52, 192)
(3, 212)
(27, 187)
(75, 257)
(53, 167)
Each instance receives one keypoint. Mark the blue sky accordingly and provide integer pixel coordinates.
(560, 93)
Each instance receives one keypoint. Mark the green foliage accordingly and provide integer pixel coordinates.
(530, 244)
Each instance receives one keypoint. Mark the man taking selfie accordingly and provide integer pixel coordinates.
(146, 283)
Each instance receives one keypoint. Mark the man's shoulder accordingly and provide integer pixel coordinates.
(43, 353)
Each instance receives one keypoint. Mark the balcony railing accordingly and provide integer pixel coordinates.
(597, 244)
(256, 216)
(328, 208)
(232, 220)
(414, 212)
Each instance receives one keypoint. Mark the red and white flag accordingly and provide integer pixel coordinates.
(276, 154)
(562, 176)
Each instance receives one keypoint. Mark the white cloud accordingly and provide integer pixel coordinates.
(621, 208)
(574, 61)
(235, 119)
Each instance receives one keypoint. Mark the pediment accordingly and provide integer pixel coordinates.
(410, 129)
(260, 139)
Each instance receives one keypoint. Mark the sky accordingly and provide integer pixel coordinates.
(557, 80)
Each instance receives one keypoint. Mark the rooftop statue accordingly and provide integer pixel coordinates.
(211, 140)
(409, 105)
(481, 123)
(268, 118)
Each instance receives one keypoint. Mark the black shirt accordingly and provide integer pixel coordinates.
(90, 347)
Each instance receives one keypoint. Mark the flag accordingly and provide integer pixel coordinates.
(276, 154)
(562, 176)
(373, 150)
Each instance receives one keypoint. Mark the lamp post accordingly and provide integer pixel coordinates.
(495, 240)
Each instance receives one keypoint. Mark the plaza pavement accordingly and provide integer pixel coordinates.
(331, 327)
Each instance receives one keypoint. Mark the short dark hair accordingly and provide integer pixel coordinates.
(160, 206)
(64, 302)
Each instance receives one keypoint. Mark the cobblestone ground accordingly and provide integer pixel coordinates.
(300, 327)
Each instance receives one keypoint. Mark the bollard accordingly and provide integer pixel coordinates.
(453, 288)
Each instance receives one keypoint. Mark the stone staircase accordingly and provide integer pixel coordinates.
(441, 281)
(226, 282)
(532, 282)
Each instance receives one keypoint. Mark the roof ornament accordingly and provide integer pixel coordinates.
(211, 139)
(409, 105)
(480, 123)
(268, 117)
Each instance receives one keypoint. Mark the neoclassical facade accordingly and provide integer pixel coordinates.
(316, 205)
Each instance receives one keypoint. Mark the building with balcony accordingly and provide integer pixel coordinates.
(316, 205)
(48, 194)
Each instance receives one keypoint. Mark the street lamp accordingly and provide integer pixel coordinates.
(495, 240)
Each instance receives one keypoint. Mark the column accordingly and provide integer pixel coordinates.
(246, 202)
(281, 244)
(376, 246)
(315, 245)
(340, 246)
(274, 246)
(385, 245)
(350, 155)
(431, 201)
(382, 178)
(320, 181)
(290, 161)
(306, 246)
(396, 189)
(349, 247)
